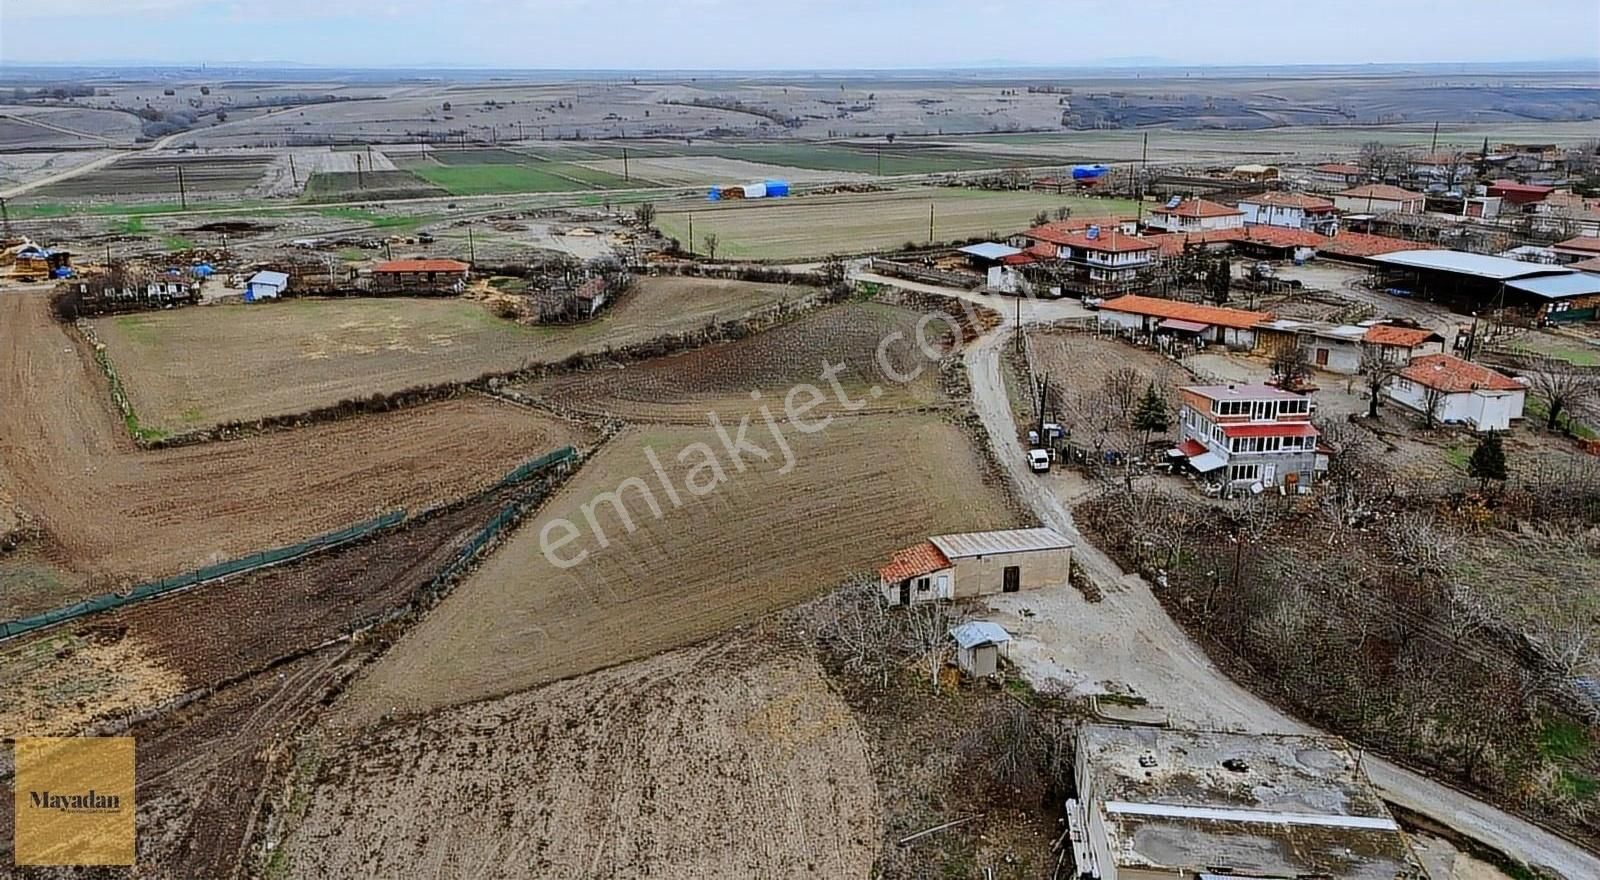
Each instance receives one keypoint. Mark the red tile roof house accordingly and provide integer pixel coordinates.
(1398, 345)
(420, 275)
(1293, 210)
(1379, 198)
(1519, 193)
(1467, 393)
(1582, 247)
(1243, 434)
(1335, 176)
(1149, 315)
(1196, 215)
(1111, 257)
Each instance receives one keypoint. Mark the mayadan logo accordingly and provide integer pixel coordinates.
(73, 801)
(90, 801)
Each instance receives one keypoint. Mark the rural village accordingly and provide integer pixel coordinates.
(1039, 478)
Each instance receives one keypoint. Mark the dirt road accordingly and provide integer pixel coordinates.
(1127, 640)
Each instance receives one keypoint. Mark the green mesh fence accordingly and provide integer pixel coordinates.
(507, 517)
(200, 575)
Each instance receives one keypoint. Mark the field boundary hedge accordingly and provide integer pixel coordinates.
(240, 565)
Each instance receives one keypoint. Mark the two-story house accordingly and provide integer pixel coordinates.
(1243, 434)
(1292, 210)
(1195, 215)
(1107, 256)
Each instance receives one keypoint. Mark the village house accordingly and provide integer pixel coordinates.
(1292, 210)
(1152, 316)
(1332, 347)
(1334, 176)
(131, 286)
(1195, 215)
(1582, 247)
(1249, 433)
(420, 276)
(976, 564)
(559, 303)
(1156, 803)
(1379, 198)
(1459, 392)
(1518, 193)
(1106, 256)
(1567, 214)
(1397, 344)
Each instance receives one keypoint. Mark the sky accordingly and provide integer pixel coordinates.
(792, 34)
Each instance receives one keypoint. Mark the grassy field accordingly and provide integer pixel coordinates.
(850, 223)
(334, 186)
(188, 368)
(483, 172)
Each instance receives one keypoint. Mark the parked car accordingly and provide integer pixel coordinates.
(1039, 461)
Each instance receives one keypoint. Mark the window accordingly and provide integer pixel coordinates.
(1244, 472)
(923, 584)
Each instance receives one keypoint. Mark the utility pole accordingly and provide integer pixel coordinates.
(183, 195)
(691, 233)
(930, 222)
(880, 161)
(520, 135)
(5, 219)
(369, 157)
(1434, 147)
(472, 247)
(359, 183)
(625, 163)
(293, 176)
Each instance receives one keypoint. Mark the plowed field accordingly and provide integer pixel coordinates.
(717, 761)
(721, 378)
(110, 509)
(192, 367)
(759, 540)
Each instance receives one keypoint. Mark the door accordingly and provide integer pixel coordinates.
(905, 592)
(944, 587)
(1269, 474)
(1322, 357)
(1011, 579)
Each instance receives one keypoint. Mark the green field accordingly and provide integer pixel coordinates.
(853, 223)
(337, 186)
(533, 177)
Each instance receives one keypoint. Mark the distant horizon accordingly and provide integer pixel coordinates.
(765, 36)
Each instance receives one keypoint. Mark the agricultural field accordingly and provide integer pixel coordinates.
(757, 540)
(1080, 366)
(758, 762)
(343, 186)
(121, 514)
(156, 175)
(853, 223)
(201, 366)
(684, 387)
(482, 172)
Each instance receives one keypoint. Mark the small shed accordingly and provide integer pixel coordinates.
(979, 646)
(265, 285)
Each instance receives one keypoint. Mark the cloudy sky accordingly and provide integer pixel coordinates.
(792, 34)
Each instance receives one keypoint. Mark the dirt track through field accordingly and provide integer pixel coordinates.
(759, 541)
(112, 509)
(725, 760)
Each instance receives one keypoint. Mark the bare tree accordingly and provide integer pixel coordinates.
(1380, 160)
(1376, 373)
(645, 215)
(927, 634)
(712, 241)
(1122, 389)
(1562, 385)
(1432, 403)
(1289, 362)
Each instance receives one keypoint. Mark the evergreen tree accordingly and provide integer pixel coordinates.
(1151, 414)
(1488, 462)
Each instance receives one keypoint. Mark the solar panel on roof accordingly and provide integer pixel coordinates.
(1174, 202)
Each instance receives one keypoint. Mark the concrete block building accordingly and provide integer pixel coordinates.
(1461, 392)
(975, 564)
(1247, 434)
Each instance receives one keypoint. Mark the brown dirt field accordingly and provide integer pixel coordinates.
(725, 760)
(203, 769)
(193, 367)
(1078, 365)
(116, 511)
(759, 541)
(684, 387)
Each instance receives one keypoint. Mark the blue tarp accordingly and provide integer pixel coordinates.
(1088, 172)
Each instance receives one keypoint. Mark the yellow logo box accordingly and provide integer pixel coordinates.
(74, 800)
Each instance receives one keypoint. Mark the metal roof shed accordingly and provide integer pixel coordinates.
(1558, 286)
(1460, 263)
(989, 250)
(1007, 541)
(979, 632)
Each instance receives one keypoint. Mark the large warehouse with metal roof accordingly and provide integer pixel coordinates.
(1473, 282)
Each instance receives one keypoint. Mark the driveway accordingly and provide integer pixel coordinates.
(1126, 642)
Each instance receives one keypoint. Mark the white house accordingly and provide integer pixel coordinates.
(1462, 392)
(1334, 176)
(1292, 210)
(265, 285)
(1379, 198)
(1195, 215)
